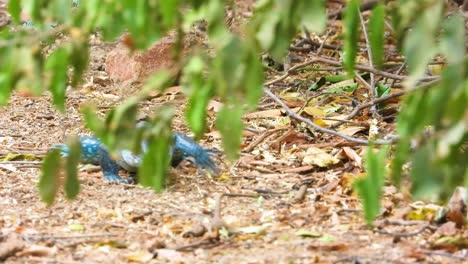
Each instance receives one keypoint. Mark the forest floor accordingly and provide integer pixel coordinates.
(288, 199)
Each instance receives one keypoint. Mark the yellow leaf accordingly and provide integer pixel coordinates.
(314, 111)
(320, 122)
(316, 156)
(140, 256)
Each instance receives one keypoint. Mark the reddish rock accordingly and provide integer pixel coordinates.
(123, 66)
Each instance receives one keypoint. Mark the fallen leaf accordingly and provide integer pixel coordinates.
(447, 229)
(314, 111)
(169, 254)
(316, 156)
(251, 229)
(214, 106)
(140, 256)
(328, 246)
(457, 206)
(268, 113)
(306, 233)
(38, 251)
(352, 155)
(351, 130)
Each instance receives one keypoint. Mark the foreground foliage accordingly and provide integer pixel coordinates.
(433, 140)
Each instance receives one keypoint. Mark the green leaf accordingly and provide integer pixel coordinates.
(49, 181)
(79, 58)
(254, 76)
(419, 45)
(14, 8)
(370, 188)
(453, 40)
(92, 121)
(426, 176)
(169, 12)
(351, 35)
(314, 16)
(402, 151)
(156, 160)
(57, 65)
(376, 34)
(230, 125)
(267, 32)
(72, 185)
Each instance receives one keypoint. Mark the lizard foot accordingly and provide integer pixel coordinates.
(118, 179)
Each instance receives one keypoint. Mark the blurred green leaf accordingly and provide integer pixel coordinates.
(370, 188)
(425, 174)
(314, 18)
(79, 58)
(14, 8)
(400, 156)
(57, 65)
(49, 181)
(419, 45)
(157, 159)
(230, 125)
(200, 92)
(351, 34)
(72, 185)
(120, 125)
(93, 122)
(377, 34)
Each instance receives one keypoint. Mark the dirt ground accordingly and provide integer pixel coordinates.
(267, 222)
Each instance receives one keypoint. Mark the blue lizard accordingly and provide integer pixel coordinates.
(94, 152)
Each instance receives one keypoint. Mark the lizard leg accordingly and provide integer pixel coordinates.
(110, 168)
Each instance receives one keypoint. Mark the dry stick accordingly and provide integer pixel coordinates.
(363, 106)
(319, 128)
(262, 137)
(415, 232)
(443, 254)
(373, 92)
(193, 246)
(22, 162)
(37, 153)
(400, 222)
(398, 72)
(37, 237)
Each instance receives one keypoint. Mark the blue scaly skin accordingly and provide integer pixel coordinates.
(94, 152)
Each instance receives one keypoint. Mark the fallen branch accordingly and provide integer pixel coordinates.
(322, 129)
(415, 232)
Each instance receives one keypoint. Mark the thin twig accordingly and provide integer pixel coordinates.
(21, 162)
(415, 232)
(262, 137)
(373, 92)
(39, 237)
(193, 246)
(319, 128)
(443, 254)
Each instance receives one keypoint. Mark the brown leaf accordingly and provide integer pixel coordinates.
(214, 106)
(447, 229)
(268, 113)
(457, 208)
(352, 155)
(351, 130)
(334, 246)
(317, 156)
